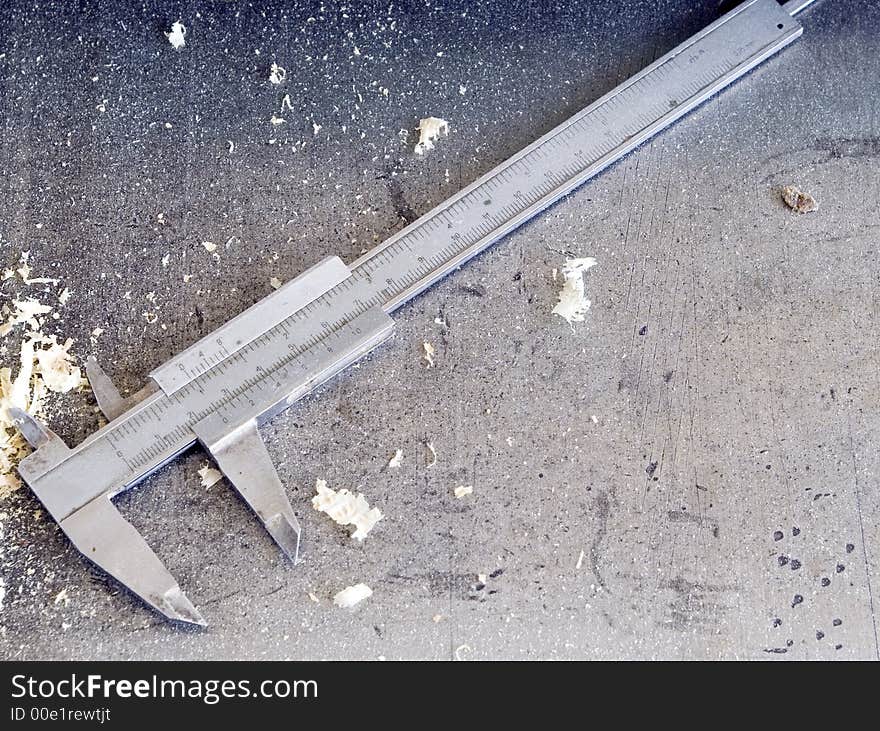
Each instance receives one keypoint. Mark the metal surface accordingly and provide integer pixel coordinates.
(793, 7)
(736, 298)
(309, 330)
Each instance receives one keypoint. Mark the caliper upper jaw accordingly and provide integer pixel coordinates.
(111, 403)
(107, 395)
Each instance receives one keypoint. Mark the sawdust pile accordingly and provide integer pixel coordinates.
(430, 130)
(396, 459)
(352, 595)
(573, 304)
(799, 201)
(209, 475)
(177, 35)
(346, 508)
(45, 366)
(277, 74)
(429, 353)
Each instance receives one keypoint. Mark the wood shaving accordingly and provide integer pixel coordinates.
(396, 459)
(210, 246)
(61, 598)
(24, 312)
(429, 353)
(24, 271)
(432, 455)
(346, 508)
(177, 35)
(277, 74)
(799, 201)
(573, 304)
(352, 595)
(209, 475)
(463, 491)
(275, 283)
(430, 130)
(45, 366)
(54, 365)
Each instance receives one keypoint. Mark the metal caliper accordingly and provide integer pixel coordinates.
(218, 391)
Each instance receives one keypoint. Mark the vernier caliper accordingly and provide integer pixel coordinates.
(219, 390)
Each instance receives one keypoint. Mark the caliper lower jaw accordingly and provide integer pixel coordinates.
(98, 530)
(230, 436)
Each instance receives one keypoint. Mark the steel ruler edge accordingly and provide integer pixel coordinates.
(218, 390)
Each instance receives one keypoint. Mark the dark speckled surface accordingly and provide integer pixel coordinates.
(663, 482)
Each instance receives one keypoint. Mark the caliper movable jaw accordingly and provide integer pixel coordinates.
(83, 507)
(232, 439)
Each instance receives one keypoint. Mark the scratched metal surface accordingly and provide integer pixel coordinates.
(691, 473)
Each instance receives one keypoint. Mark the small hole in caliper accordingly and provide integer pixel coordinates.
(781, 26)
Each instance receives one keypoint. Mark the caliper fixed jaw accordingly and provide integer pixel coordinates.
(97, 529)
(102, 535)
